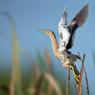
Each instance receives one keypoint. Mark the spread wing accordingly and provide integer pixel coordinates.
(64, 34)
(62, 23)
(78, 21)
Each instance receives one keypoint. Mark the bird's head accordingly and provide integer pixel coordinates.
(53, 39)
(48, 33)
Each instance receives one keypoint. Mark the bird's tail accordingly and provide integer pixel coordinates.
(75, 72)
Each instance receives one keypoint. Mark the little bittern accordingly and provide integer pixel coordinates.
(67, 59)
(67, 34)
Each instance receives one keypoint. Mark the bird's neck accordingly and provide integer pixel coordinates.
(54, 43)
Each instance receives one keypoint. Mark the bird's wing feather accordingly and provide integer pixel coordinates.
(62, 23)
(78, 21)
(63, 32)
(80, 18)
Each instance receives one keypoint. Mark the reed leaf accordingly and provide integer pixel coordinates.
(15, 77)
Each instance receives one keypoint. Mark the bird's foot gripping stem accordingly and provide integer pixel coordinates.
(75, 72)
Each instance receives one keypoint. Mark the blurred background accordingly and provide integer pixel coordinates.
(32, 49)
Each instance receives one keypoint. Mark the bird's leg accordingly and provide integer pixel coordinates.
(74, 69)
(76, 72)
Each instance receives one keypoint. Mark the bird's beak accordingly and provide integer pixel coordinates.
(45, 31)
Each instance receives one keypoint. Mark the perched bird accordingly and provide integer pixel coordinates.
(65, 58)
(66, 40)
(67, 32)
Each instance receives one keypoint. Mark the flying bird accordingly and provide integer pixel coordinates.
(67, 33)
